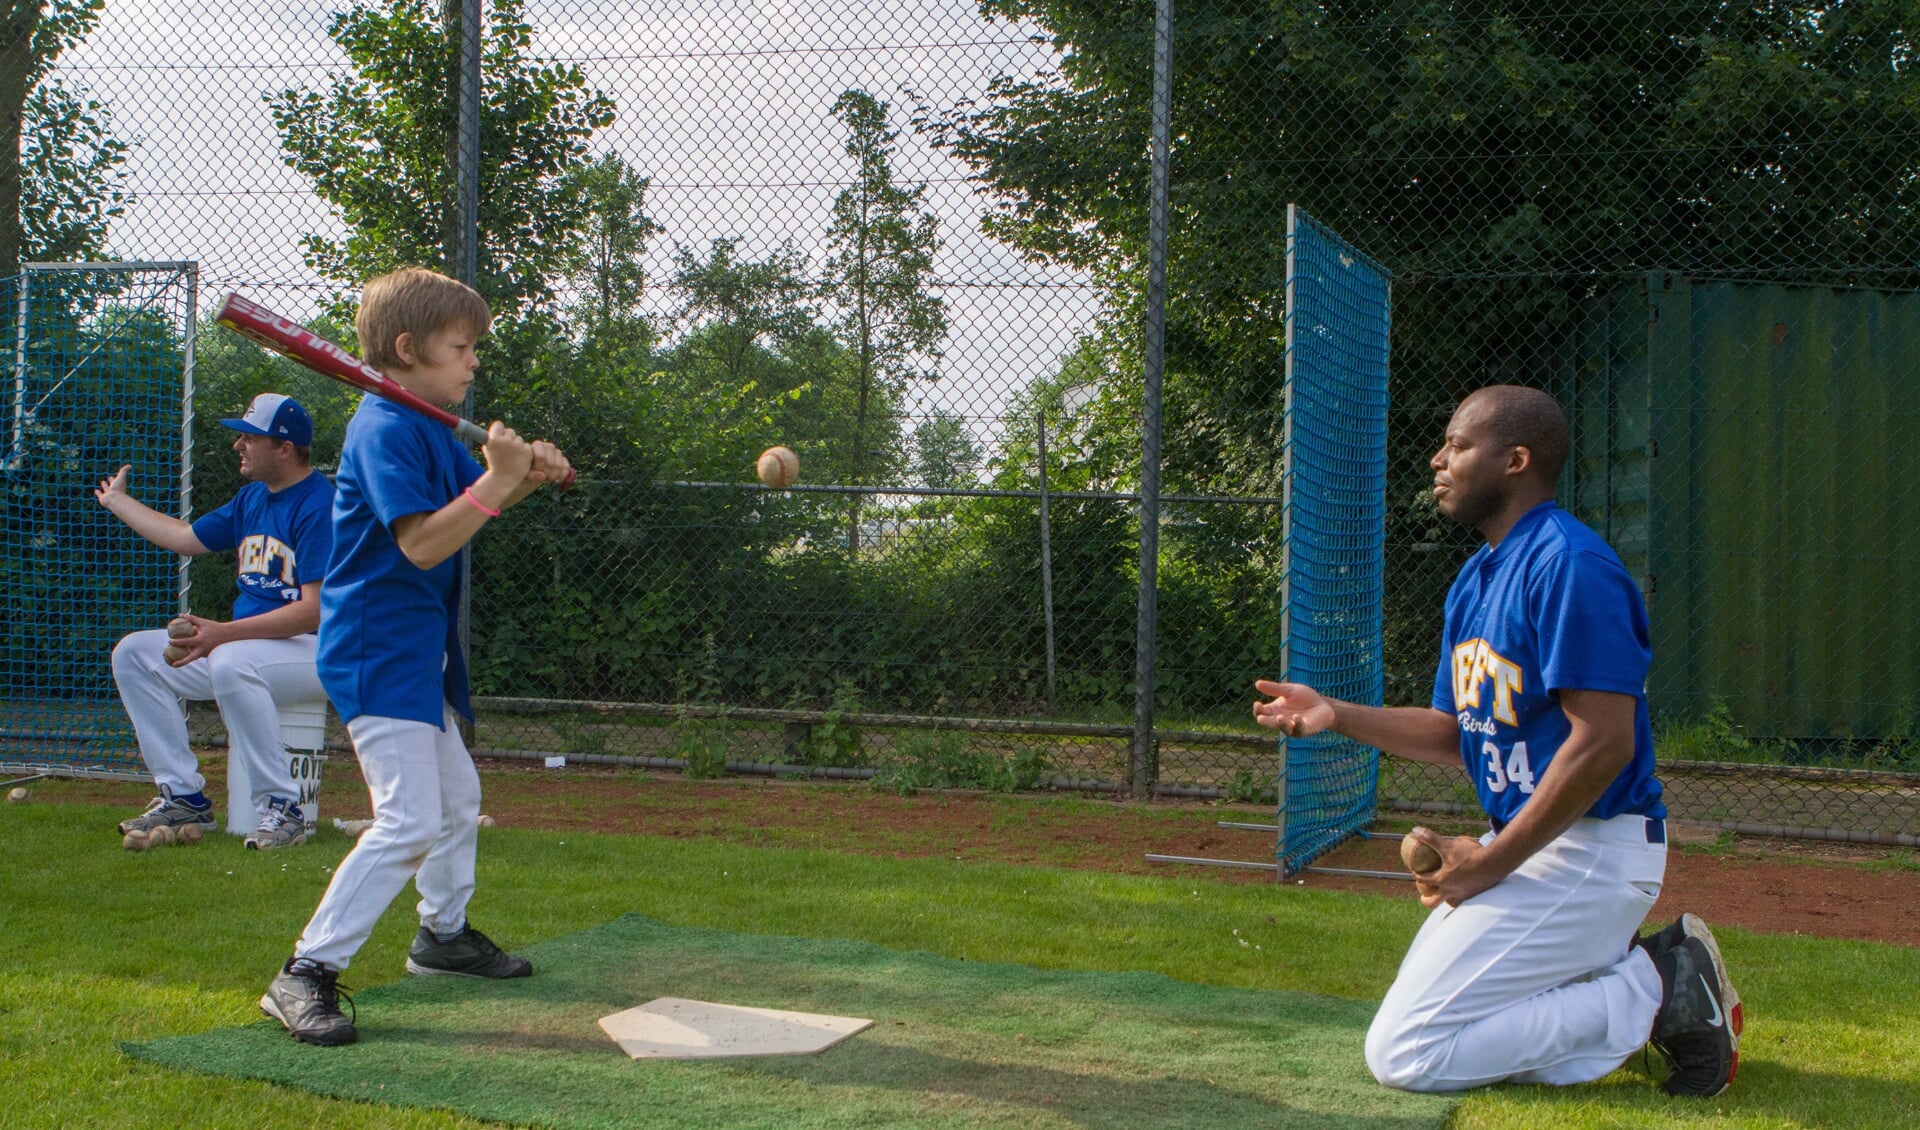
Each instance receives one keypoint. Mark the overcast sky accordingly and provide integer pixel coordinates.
(725, 104)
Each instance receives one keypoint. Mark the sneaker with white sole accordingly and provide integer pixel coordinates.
(1691, 925)
(281, 825)
(306, 998)
(165, 811)
(1661, 941)
(1698, 1026)
(470, 954)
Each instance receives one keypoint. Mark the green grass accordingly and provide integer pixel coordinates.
(958, 1045)
(98, 946)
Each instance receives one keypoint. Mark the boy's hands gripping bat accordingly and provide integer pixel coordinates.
(291, 339)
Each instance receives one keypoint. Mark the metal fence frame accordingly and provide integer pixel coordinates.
(91, 765)
(1143, 773)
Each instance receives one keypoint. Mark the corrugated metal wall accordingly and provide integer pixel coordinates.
(1753, 453)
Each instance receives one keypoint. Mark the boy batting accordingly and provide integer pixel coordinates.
(1529, 969)
(410, 497)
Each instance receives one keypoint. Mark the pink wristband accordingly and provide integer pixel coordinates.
(479, 505)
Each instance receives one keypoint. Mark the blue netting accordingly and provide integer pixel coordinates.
(94, 361)
(1338, 312)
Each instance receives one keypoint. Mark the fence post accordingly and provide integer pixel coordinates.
(1145, 760)
(186, 423)
(1046, 550)
(17, 441)
(462, 239)
(462, 235)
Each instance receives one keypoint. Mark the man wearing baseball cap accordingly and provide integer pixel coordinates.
(280, 526)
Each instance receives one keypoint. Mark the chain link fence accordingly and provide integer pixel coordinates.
(911, 241)
(99, 377)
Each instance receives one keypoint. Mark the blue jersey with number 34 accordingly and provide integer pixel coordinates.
(1550, 608)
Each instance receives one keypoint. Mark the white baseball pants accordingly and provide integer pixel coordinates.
(1534, 980)
(247, 678)
(426, 811)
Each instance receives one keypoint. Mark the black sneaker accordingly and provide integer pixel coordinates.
(1698, 1027)
(1658, 943)
(472, 954)
(1690, 925)
(306, 998)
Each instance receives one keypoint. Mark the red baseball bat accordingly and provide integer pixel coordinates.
(291, 339)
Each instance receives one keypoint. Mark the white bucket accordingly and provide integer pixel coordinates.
(303, 729)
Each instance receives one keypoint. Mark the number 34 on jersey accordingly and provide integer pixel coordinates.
(1508, 768)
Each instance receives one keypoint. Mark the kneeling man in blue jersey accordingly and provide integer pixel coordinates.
(1528, 969)
(281, 525)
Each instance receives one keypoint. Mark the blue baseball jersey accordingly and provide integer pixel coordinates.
(387, 627)
(282, 539)
(1549, 609)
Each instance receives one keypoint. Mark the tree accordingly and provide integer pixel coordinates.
(1453, 142)
(738, 308)
(59, 160)
(71, 161)
(945, 452)
(879, 274)
(17, 75)
(375, 145)
(753, 323)
(619, 582)
(606, 263)
(1523, 148)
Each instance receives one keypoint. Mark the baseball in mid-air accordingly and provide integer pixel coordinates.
(17, 794)
(134, 841)
(779, 467)
(1419, 857)
(177, 627)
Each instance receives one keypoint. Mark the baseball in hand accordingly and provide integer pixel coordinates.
(134, 841)
(779, 467)
(189, 834)
(1418, 856)
(17, 795)
(176, 628)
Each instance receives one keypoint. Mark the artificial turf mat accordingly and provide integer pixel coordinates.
(955, 1043)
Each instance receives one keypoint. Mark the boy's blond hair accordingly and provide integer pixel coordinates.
(414, 300)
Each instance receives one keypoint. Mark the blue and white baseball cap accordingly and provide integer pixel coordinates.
(278, 416)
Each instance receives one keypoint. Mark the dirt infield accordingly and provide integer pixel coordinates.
(1776, 886)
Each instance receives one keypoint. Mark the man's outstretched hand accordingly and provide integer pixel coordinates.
(108, 489)
(1294, 709)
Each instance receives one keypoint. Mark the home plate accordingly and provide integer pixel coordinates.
(674, 1028)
